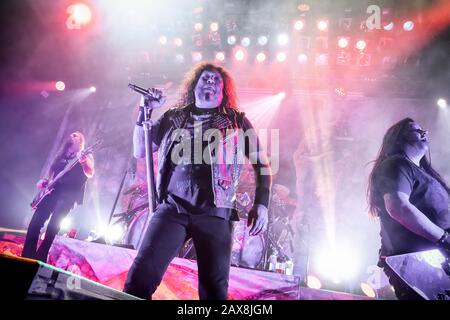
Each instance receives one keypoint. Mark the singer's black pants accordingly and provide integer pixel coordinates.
(58, 207)
(166, 233)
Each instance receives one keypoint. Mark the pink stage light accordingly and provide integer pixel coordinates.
(220, 56)
(261, 57)
(239, 55)
(343, 43)
(322, 25)
(281, 56)
(361, 45)
(79, 15)
(60, 85)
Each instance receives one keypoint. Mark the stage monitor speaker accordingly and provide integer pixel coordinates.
(28, 279)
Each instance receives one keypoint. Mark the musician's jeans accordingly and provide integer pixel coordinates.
(52, 205)
(164, 237)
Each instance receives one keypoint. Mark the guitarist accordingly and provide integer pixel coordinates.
(68, 190)
(409, 197)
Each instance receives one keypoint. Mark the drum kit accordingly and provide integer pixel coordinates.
(247, 251)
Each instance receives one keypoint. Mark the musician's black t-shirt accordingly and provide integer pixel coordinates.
(72, 185)
(398, 173)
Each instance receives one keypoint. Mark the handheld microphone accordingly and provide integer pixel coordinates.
(138, 89)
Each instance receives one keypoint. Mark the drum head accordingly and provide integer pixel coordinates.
(133, 235)
(247, 251)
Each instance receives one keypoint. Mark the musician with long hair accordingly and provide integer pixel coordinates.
(67, 191)
(409, 197)
(196, 195)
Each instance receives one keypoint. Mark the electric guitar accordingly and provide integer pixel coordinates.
(51, 184)
(426, 272)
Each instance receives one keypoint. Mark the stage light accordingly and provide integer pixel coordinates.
(298, 25)
(262, 40)
(79, 15)
(220, 56)
(92, 89)
(368, 290)
(283, 39)
(261, 57)
(245, 41)
(178, 42)
(179, 58)
(408, 26)
(239, 55)
(313, 282)
(198, 27)
(340, 91)
(214, 26)
(302, 58)
(281, 95)
(361, 45)
(343, 42)
(115, 233)
(197, 56)
(337, 264)
(321, 59)
(163, 40)
(442, 103)
(303, 7)
(281, 56)
(322, 25)
(60, 85)
(389, 26)
(231, 40)
(65, 223)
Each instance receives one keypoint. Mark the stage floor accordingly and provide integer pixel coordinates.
(109, 265)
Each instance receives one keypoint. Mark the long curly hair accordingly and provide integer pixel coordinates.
(393, 144)
(191, 78)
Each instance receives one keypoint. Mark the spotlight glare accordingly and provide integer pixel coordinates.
(178, 42)
(343, 43)
(179, 58)
(338, 264)
(368, 290)
(231, 40)
(245, 41)
(322, 25)
(79, 15)
(60, 85)
(214, 26)
(262, 40)
(442, 103)
(283, 39)
(261, 57)
(163, 40)
(281, 56)
(299, 24)
(65, 223)
(408, 26)
(361, 45)
(313, 282)
(92, 89)
(239, 55)
(115, 233)
(389, 26)
(198, 27)
(302, 58)
(220, 56)
(281, 95)
(197, 56)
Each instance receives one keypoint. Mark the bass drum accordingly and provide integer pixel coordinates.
(136, 228)
(247, 251)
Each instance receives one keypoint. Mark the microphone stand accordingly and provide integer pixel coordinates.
(149, 165)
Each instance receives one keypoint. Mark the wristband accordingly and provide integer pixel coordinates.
(140, 117)
(443, 240)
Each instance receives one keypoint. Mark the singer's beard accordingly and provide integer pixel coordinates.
(207, 96)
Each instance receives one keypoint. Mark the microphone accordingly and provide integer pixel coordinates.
(138, 89)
